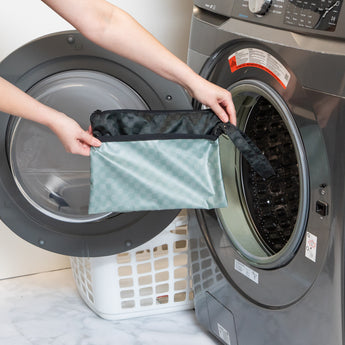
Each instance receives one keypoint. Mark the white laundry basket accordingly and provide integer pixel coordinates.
(150, 279)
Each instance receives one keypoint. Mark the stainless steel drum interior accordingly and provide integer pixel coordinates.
(265, 219)
(53, 181)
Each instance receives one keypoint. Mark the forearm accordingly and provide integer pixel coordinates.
(115, 30)
(16, 102)
(124, 36)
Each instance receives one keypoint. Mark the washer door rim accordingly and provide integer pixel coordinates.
(286, 254)
(117, 233)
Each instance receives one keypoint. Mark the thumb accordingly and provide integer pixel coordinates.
(89, 139)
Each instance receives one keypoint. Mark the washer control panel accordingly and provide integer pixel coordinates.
(309, 14)
(321, 17)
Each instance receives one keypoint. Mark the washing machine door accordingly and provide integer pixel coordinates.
(44, 191)
(261, 241)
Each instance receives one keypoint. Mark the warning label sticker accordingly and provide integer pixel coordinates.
(223, 334)
(246, 271)
(311, 247)
(253, 57)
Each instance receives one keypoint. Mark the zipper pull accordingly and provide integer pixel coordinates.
(222, 129)
(227, 128)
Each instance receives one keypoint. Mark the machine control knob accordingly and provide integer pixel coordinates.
(259, 6)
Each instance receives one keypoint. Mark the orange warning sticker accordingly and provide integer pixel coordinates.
(253, 57)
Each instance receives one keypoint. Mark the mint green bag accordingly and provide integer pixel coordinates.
(155, 160)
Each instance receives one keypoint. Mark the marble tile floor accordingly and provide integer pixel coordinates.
(45, 309)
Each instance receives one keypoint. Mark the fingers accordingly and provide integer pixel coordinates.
(220, 112)
(225, 110)
(84, 142)
(87, 138)
(81, 143)
(72, 136)
(82, 149)
(220, 101)
(230, 108)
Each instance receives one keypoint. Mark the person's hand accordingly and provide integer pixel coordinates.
(215, 97)
(73, 137)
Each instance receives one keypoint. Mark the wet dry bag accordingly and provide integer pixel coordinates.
(155, 160)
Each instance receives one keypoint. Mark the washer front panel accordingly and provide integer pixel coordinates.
(274, 277)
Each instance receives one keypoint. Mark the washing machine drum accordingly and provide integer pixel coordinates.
(44, 190)
(272, 203)
(265, 218)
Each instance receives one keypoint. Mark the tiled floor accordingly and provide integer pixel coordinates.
(45, 309)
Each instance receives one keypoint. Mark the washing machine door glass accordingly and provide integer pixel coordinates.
(53, 181)
(265, 219)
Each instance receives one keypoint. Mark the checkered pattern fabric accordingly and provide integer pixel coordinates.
(156, 175)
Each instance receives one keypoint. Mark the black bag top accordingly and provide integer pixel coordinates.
(129, 124)
(112, 123)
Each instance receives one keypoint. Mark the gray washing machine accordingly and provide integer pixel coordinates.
(269, 268)
(44, 191)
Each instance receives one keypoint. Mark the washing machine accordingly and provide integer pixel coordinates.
(44, 191)
(269, 268)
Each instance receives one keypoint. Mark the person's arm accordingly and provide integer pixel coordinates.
(16, 102)
(115, 30)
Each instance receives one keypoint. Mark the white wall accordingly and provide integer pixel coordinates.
(167, 20)
(24, 20)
